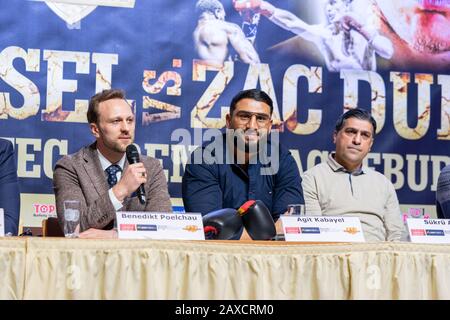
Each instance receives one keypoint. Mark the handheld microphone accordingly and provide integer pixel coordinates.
(221, 224)
(257, 220)
(133, 157)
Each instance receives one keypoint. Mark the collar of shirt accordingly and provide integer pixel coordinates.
(105, 163)
(336, 167)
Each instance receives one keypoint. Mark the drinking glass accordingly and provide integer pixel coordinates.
(72, 218)
(295, 209)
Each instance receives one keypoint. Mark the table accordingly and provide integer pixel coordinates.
(58, 268)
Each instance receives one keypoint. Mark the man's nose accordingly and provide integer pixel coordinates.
(125, 127)
(253, 123)
(357, 138)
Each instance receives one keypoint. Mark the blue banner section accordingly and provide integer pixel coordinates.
(181, 62)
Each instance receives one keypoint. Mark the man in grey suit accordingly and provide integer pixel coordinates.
(100, 177)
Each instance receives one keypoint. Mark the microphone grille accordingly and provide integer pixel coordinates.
(132, 152)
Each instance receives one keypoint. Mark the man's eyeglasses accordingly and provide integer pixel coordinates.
(261, 118)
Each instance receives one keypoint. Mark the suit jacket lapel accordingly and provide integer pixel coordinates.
(94, 169)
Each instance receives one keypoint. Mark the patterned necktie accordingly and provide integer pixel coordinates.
(112, 174)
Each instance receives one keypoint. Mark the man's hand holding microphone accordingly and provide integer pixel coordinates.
(133, 178)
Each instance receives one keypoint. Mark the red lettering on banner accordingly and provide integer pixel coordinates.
(44, 209)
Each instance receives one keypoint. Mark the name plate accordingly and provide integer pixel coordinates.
(429, 230)
(158, 225)
(322, 229)
(2, 223)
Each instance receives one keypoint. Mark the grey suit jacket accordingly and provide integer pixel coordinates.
(79, 176)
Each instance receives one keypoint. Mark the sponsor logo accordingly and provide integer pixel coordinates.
(147, 227)
(127, 227)
(418, 232)
(416, 212)
(351, 230)
(191, 228)
(433, 232)
(310, 230)
(292, 230)
(44, 210)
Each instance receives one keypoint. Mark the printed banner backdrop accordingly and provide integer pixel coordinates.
(180, 67)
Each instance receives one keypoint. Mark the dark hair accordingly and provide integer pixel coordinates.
(254, 94)
(208, 6)
(358, 113)
(92, 113)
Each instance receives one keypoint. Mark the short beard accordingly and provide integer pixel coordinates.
(117, 147)
(247, 146)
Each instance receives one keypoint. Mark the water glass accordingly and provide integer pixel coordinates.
(72, 209)
(295, 209)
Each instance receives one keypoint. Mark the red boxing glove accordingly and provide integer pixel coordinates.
(241, 5)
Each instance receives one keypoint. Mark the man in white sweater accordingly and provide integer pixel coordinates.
(342, 186)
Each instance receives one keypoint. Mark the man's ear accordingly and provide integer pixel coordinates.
(371, 144)
(334, 137)
(94, 129)
(228, 120)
